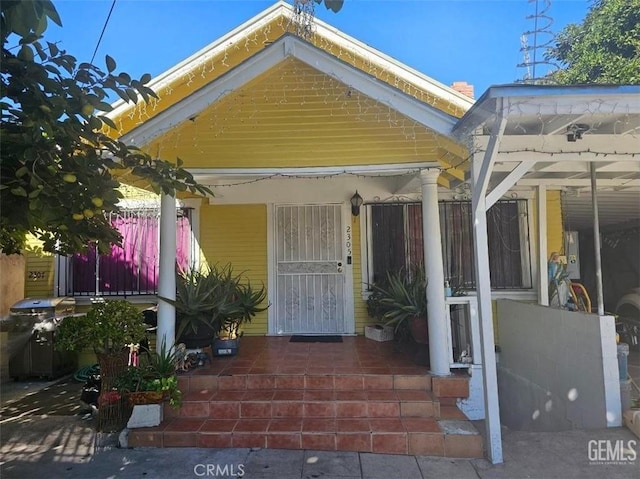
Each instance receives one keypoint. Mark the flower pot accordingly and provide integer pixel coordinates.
(419, 330)
(145, 415)
(225, 347)
(145, 397)
(200, 339)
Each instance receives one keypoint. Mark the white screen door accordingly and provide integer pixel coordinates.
(310, 275)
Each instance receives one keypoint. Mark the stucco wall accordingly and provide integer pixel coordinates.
(558, 369)
(12, 275)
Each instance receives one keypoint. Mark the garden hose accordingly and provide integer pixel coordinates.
(82, 374)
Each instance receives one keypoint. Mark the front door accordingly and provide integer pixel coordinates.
(310, 274)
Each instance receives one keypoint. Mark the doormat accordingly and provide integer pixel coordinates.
(299, 338)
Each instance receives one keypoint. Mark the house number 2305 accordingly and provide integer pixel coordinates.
(348, 240)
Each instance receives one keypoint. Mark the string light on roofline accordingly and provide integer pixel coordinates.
(217, 62)
(314, 177)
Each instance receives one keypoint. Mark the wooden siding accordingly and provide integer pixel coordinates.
(295, 116)
(555, 230)
(361, 316)
(237, 234)
(39, 270)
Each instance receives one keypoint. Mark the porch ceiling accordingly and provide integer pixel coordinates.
(540, 123)
(551, 135)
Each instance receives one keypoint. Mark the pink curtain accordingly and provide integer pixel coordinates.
(133, 267)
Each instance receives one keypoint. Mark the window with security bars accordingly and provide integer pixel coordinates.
(396, 242)
(129, 269)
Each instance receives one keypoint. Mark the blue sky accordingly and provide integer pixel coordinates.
(477, 41)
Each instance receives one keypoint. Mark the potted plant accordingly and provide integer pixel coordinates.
(213, 303)
(153, 380)
(201, 296)
(148, 384)
(244, 306)
(108, 328)
(401, 301)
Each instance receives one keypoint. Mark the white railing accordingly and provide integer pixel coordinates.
(463, 331)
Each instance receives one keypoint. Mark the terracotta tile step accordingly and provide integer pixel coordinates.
(236, 404)
(329, 381)
(423, 436)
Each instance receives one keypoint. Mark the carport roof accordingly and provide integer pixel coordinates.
(534, 125)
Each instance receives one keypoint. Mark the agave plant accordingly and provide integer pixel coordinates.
(201, 297)
(213, 301)
(245, 306)
(162, 362)
(400, 299)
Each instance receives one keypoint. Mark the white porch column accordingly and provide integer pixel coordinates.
(167, 272)
(543, 268)
(596, 239)
(483, 289)
(436, 306)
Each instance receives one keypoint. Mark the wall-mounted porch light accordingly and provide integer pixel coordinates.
(356, 203)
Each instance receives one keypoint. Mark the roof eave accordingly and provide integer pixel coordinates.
(323, 29)
(485, 106)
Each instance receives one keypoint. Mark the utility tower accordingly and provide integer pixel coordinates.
(535, 42)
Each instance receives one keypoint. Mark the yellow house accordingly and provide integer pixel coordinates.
(330, 164)
(285, 129)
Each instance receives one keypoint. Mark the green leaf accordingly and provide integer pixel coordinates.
(124, 78)
(40, 50)
(95, 123)
(25, 53)
(19, 191)
(53, 49)
(52, 69)
(111, 63)
(20, 172)
(334, 5)
(149, 91)
(42, 25)
(108, 121)
(51, 12)
(121, 93)
(133, 96)
(103, 106)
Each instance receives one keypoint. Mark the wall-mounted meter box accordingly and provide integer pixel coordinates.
(572, 252)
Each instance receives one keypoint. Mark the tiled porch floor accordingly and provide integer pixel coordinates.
(358, 395)
(277, 355)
